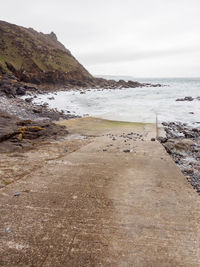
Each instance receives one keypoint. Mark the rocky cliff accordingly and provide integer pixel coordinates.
(37, 58)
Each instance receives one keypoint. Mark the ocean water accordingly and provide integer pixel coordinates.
(147, 104)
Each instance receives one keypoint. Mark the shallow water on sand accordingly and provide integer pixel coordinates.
(146, 104)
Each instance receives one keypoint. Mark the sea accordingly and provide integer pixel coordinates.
(146, 104)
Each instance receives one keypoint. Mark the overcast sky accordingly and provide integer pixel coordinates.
(141, 38)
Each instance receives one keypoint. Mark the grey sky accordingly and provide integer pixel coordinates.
(142, 38)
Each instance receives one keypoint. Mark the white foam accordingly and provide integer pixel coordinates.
(133, 104)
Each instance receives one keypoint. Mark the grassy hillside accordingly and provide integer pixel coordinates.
(37, 57)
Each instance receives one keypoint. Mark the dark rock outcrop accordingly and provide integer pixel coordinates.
(18, 134)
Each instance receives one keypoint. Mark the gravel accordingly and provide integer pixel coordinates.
(182, 142)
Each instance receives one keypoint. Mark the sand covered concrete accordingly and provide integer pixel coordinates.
(106, 195)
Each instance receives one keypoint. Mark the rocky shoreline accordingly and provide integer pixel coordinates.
(12, 89)
(23, 124)
(11, 86)
(15, 111)
(182, 142)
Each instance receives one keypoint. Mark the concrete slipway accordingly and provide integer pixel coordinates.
(83, 201)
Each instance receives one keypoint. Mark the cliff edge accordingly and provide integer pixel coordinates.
(36, 57)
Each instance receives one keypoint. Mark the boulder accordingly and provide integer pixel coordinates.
(20, 91)
(187, 98)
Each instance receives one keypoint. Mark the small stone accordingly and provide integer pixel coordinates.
(126, 150)
(8, 230)
(28, 100)
(189, 170)
(104, 149)
(162, 139)
(20, 91)
(16, 194)
(36, 110)
(51, 98)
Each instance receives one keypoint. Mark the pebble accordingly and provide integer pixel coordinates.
(188, 170)
(126, 150)
(8, 230)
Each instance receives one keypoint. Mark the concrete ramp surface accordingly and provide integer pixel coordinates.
(105, 196)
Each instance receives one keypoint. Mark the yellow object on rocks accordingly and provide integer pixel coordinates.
(21, 132)
(20, 137)
(24, 129)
